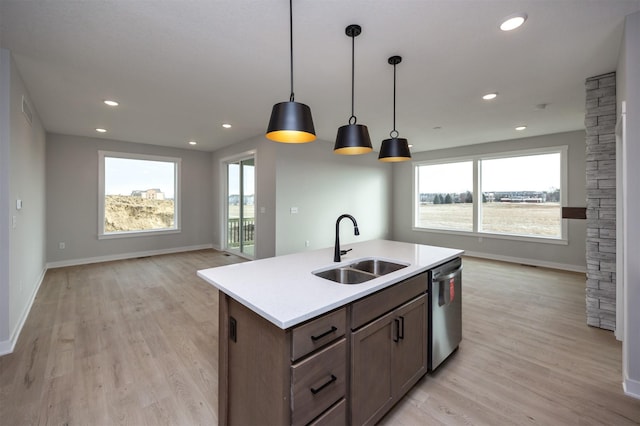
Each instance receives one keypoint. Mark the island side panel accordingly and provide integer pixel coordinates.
(258, 373)
(223, 361)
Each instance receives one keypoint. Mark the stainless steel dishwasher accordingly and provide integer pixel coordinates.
(445, 311)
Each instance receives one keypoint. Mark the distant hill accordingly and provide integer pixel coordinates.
(130, 213)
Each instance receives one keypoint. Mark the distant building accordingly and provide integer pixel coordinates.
(149, 194)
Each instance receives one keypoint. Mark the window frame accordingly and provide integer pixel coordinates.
(477, 206)
(177, 228)
(416, 195)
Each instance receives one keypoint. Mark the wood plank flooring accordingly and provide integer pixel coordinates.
(135, 342)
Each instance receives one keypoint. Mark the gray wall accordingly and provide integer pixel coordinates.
(571, 256)
(72, 202)
(629, 90)
(321, 184)
(22, 158)
(324, 185)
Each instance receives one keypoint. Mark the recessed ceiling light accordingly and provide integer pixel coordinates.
(226, 125)
(490, 96)
(513, 21)
(193, 143)
(520, 128)
(100, 130)
(111, 103)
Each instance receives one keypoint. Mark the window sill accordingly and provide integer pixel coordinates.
(133, 234)
(479, 235)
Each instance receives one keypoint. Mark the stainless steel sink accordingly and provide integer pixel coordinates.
(377, 266)
(345, 275)
(360, 271)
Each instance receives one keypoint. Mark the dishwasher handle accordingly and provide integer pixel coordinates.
(448, 276)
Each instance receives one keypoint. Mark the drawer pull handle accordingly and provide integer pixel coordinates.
(326, 333)
(331, 380)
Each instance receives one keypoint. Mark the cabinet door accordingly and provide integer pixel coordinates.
(371, 375)
(410, 350)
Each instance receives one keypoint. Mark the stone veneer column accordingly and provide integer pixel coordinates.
(600, 123)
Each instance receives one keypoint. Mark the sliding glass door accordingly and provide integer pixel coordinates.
(240, 209)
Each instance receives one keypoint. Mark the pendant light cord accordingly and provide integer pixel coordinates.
(353, 61)
(291, 97)
(394, 105)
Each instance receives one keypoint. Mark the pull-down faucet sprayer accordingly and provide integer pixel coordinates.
(337, 252)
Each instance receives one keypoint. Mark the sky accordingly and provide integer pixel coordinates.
(234, 179)
(529, 173)
(124, 175)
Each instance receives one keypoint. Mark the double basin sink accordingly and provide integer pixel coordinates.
(360, 271)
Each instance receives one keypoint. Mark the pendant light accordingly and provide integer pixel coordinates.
(394, 149)
(353, 139)
(291, 122)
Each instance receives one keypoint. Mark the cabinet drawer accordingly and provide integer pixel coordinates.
(318, 382)
(370, 308)
(317, 333)
(337, 415)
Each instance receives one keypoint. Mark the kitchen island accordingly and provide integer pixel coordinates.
(295, 348)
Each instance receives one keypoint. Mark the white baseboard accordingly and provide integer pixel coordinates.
(7, 346)
(122, 256)
(631, 387)
(532, 262)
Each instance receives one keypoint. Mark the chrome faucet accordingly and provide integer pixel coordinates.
(337, 252)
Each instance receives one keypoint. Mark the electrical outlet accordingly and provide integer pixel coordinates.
(61, 246)
(306, 243)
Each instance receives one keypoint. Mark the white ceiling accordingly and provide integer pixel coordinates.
(182, 68)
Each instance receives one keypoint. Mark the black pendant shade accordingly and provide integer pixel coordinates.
(394, 149)
(291, 122)
(352, 138)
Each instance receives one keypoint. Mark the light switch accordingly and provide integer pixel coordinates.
(293, 210)
(18, 204)
(14, 222)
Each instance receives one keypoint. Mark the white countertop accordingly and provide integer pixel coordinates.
(284, 290)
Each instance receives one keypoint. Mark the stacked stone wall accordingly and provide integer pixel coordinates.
(600, 123)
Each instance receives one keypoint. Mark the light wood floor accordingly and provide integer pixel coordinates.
(135, 342)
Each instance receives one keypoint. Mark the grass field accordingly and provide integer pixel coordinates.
(234, 211)
(541, 220)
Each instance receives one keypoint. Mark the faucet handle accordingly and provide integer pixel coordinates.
(345, 251)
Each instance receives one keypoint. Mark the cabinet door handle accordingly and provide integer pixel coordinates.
(401, 329)
(324, 385)
(233, 329)
(396, 334)
(326, 333)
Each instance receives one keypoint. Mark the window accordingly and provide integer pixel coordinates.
(521, 195)
(445, 196)
(514, 195)
(138, 194)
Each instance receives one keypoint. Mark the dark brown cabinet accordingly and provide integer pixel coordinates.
(268, 375)
(349, 366)
(388, 356)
